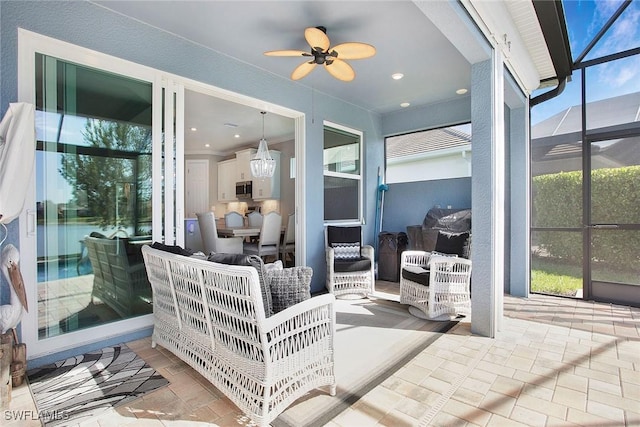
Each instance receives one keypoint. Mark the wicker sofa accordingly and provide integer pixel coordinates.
(215, 317)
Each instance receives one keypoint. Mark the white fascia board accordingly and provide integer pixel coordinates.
(496, 23)
(461, 150)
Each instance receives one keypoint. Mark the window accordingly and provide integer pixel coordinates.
(434, 154)
(342, 167)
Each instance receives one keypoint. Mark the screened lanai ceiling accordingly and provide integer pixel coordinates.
(412, 38)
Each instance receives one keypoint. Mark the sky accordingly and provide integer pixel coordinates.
(585, 18)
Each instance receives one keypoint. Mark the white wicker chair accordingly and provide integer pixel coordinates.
(448, 292)
(349, 279)
(212, 316)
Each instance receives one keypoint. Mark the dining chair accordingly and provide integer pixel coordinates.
(255, 219)
(288, 245)
(210, 239)
(269, 239)
(233, 219)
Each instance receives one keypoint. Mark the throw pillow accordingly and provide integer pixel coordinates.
(273, 266)
(451, 243)
(252, 261)
(289, 286)
(348, 251)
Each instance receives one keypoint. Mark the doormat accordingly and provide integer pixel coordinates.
(82, 387)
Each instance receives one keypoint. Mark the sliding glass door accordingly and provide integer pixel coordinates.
(107, 179)
(93, 178)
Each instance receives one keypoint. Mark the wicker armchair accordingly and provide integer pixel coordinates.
(435, 287)
(350, 265)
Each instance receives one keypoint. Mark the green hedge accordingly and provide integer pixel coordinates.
(557, 202)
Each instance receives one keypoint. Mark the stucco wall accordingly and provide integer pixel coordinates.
(93, 27)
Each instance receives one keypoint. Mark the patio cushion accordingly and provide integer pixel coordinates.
(289, 286)
(452, 243)
(255, 262)
(174, 249)
(347, 266)
(350, 251)
(416, 274)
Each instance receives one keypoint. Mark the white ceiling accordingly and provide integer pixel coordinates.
(405, 39)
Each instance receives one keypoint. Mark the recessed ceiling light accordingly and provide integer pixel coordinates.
(405, 104)
(461, 91)
(194, 129)
(237, 135)
(397, 76)
(207, 145)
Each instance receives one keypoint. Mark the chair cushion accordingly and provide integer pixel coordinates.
(255, 262)
(347, 251)
(289, 286)
(416, 274)
(174, 249)
(351, 265)
(337, 234)
(452, 243)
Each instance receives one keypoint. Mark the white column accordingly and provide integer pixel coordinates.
(488, 191)
(520, 202)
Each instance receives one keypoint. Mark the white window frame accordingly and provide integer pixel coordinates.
(357, 177)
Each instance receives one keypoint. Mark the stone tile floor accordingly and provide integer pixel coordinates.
(556, 361)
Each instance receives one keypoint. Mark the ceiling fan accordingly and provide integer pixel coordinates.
(332, 58)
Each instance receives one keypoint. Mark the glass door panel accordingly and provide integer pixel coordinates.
(615, 220)
(93, 178)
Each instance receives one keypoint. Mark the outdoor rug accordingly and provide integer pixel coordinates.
(374, 339)
(71, 391)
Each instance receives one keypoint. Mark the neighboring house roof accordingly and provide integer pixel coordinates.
(559, 138)
(417, 143)
(600, 114)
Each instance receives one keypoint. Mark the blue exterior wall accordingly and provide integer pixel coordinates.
(93, 27)
(407, 203)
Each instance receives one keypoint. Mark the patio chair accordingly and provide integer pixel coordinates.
(435, 286)
(210, 239)
(350, 265)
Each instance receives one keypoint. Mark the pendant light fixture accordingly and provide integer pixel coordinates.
(262, 164)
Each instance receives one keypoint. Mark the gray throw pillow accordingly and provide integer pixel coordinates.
(289, 286)
(255, 262)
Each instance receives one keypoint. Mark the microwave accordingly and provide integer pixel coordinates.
(243, 189)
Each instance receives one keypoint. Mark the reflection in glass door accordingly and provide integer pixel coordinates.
(93, 179)
(615, 220)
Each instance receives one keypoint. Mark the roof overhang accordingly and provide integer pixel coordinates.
(553, 24)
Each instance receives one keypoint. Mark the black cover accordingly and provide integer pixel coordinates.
(451, 220)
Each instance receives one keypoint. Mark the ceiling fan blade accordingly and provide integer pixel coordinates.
(287, 53)
(302, 70)
(340, 70)
(317, 38)
(354, 50)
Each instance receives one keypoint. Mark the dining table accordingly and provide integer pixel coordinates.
(244, 231)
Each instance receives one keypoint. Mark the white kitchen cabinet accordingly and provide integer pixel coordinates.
(243, 168)
(227, 180)
(268, 188)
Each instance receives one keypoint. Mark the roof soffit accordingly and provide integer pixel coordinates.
(513, 36)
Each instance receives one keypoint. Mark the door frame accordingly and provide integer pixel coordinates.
(30, 43)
